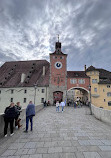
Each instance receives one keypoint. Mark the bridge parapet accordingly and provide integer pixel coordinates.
(101, 114)
(22, 116)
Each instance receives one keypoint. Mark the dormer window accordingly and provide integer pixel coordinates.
(12, 91)
(25, 91)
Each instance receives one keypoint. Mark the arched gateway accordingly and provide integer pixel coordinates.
(62, 80)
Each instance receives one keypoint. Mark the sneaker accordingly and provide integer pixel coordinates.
(11, 134)
(16, 127)
(5, 135)
(25, 131)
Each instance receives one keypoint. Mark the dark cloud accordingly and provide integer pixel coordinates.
(29, 28)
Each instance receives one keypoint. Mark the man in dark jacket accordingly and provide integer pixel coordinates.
(10, 114)
(30, 112)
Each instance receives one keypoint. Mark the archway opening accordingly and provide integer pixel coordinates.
(75, 94)
(57, 96)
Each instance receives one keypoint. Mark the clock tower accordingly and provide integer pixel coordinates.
(58, 75)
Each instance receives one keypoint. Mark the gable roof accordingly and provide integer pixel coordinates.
(10, 73)
(104, 75)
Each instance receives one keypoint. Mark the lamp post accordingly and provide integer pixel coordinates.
(35, 87)
(90, 99)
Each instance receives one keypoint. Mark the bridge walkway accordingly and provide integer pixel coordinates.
(71, 134)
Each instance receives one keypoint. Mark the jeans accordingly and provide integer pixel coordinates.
(57, 108)
(27, 122)
(11, 121)
(62, 108)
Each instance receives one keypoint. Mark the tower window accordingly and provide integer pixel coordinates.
(0, 91)
(104, 100)
(11, 100)
(108, 86)
(25, 99)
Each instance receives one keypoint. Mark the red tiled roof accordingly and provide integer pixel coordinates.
(10, 73)
(76, 74)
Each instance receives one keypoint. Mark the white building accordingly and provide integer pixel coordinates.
(24, 81)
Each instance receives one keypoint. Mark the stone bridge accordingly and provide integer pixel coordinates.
(71, 134)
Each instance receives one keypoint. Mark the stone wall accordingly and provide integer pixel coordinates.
(101, 114)
(22, 116)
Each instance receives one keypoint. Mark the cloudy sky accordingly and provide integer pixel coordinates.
(29, 28)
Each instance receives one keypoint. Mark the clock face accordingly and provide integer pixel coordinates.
(58, 65)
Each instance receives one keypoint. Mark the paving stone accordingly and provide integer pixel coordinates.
(75, 143)
(79, 154)
(88, 148)
(69, 149)
(41, 150)
(55, 150)
(64, 143)
(13, 157)
(21, 152)
(39, 144)
(91, 155)
(82, 137)
(55, 155)
(9, 153)
(67, 155)
(51, 144)
(16, 145)
(95, 142)
(84, 142)
(105, 154)
(105, 148)
(106, 142)
(25, 156)
(36, 156)
(31, 151)
(30, 145)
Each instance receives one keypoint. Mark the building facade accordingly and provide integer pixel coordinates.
(100, 81)
(39, 81)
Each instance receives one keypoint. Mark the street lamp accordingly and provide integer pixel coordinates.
(90, 99)
(35, 87)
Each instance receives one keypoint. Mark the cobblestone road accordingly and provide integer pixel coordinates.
(72, 134)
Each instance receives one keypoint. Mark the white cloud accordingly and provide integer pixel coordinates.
(28, 30)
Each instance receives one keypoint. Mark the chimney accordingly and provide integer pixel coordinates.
(84, 67)
(23, 76)
(43, 71)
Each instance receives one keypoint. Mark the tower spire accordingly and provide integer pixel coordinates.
(58, 37)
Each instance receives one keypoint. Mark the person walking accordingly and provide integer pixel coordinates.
(57, 106)
(62, 105)
(30, 112)
(18, 119)
(10, 114)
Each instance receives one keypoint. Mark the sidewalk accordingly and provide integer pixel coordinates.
(71, 134)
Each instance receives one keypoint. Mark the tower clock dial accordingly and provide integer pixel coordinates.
(58, 65)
